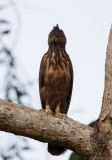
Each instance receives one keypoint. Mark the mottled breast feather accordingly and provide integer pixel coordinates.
(56, 75)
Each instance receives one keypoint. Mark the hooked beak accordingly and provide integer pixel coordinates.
(54, 39)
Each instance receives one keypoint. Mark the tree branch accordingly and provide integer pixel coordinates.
(106, 110)
(103, 126)
(107, 97)
(44, 127)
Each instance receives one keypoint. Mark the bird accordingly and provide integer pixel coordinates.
(56, 80)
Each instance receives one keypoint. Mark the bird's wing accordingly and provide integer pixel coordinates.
(71, 84)
(41, 79)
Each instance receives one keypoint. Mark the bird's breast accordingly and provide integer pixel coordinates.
(57, 72)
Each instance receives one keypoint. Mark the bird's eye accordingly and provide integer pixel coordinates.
(50, 37)
(59, 37)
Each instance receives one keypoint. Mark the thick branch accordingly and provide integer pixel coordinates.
(107, 97)
(38, 125)
(103, 126)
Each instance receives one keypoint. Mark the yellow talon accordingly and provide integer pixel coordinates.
(48, 111)
(61, 114)
(42, 110)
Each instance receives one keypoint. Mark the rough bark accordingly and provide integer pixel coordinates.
(103, 127)
(91, 143)
(44, 127)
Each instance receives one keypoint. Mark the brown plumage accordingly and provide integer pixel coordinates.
(56, 79)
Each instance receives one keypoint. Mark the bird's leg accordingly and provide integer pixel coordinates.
(42, 110)
(57, 111)
(61, 114)
(48, 109)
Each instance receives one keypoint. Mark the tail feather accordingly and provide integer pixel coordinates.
(56, 150)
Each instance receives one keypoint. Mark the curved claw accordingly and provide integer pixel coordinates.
(42, 110)
(48, 111)
(61, 114)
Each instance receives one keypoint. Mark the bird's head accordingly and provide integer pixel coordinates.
(57, 37)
